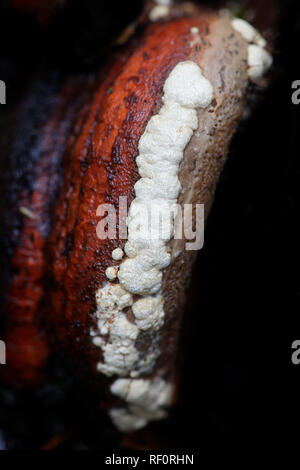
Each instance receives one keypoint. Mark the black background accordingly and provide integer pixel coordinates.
(239, 385)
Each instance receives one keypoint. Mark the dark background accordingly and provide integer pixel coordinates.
(239, 385)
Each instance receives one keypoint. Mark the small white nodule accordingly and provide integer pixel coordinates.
(248, 32)
(187, 86)
(111, 273)
(117, 254)
(194, 30)
(158, 12)
(259, 61)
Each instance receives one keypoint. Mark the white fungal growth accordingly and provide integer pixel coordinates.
(117, 335)
(110, 301)
(164, 2)
(120, 354)
(117, 254)
(112, 298)
(187, 87)
(126, 420)
(194, 30)
(158, 12)
(259, 59)
(111, 272)
(161, 149)
(147, 400)
(149, 312)
(248, 32)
